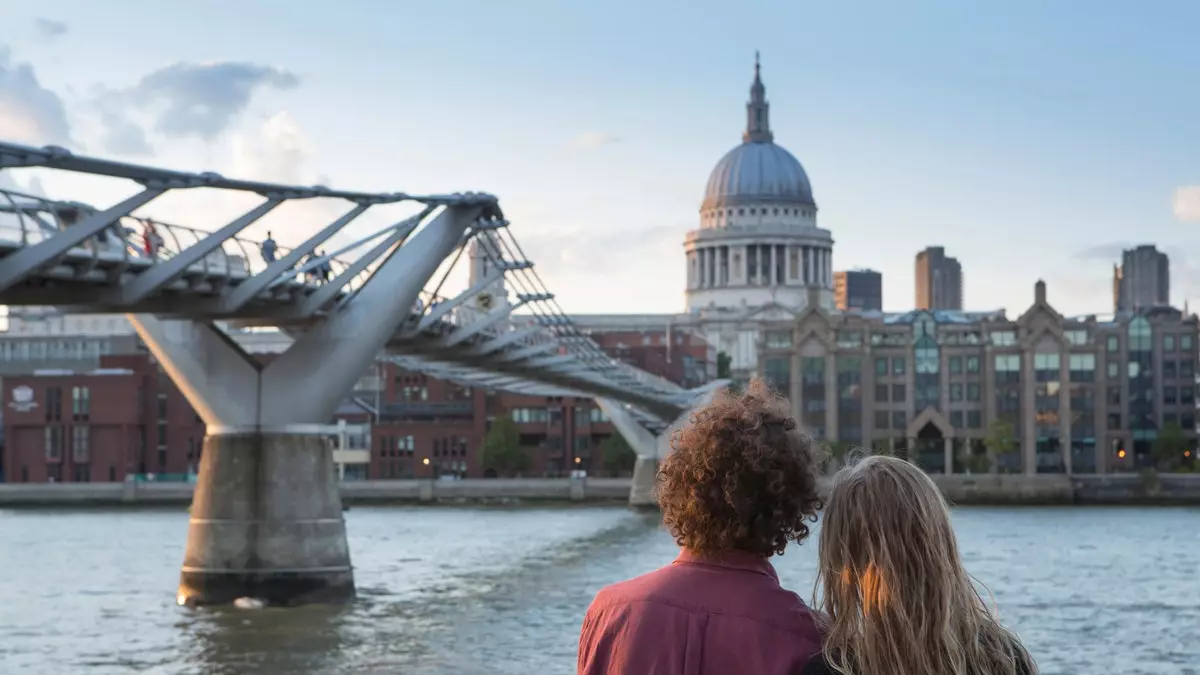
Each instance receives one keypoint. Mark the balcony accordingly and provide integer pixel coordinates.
(424, 410)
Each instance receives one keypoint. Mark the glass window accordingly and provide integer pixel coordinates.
(881, 419)
(1187, 395)
(881, 393)
(1113, 343)
(849, 339)
(1114, 421)
(899, 393)
(1169, 343)
(956, 365)
(1185, 342)
(974, 419)
(1004, 338)
(779, 339)
(973, 391)
(881, 365)
(956, 393)
(1076, 337)
(898, 365)
(956, 419)
(1114, 370)
(1140, 334)
(1114, 396)
(1168, 395)
(898, 419)
(972, 364)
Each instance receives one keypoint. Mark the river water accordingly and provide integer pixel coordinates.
(465, 591)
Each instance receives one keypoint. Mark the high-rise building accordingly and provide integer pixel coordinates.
(858, 289)
(939, 280)
(1142, 280)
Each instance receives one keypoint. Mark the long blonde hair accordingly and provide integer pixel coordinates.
(898, 599)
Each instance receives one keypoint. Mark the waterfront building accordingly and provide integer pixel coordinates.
(939, 280)
(1080, 395)
(858, 289)
(1142, 280)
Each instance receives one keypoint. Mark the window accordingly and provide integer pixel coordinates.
(1076, 337)
(1114, 370)
(779, 339)
(1187, 395)
(898, 393)
(898, 365)
(1004, 338)
(53, 443)
(972, 364)
(80, 444)
(1186, 369)
(1114, 421)
(1114, 395)
(53, 404)
(1008, 368)
(1168, 369)
(1185, 342)
(973, 391)
(881, 366)
(974, 419)
(1140, 335)
(162, 435)
(956, 394)
(881, 419)
(881, 393)
(1113, 343)
(1168, 395)
(162, 407)
(81, 403)
(1082, 367)
(777, 371)
(849, 339)
(956, 419)
(898, 419)
(82, 473)
(1169, 343)
(956, 365)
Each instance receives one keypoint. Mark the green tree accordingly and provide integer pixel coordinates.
(724, 365)
(1169, 447)
(502, 451)
(618, 456)
(1000, 440)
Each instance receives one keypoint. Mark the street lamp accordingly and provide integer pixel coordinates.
(425, 461)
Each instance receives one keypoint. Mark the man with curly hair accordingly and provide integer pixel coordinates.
(739, 483)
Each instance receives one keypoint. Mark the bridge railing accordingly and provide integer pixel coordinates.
(26, 220)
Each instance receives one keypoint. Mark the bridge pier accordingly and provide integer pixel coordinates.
(266, 518)
(266, 523)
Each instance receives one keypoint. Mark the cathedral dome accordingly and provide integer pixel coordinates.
(757, 171)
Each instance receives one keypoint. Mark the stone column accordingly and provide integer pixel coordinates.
(281, 540)
(948, 450)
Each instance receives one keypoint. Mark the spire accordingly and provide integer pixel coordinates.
(758, 126)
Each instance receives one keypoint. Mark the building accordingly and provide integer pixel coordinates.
(1080, 394)
(939, 280)
(858, 289)
(1142, 280)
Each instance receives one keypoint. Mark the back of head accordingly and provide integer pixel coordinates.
(893, 584)
(740, 476)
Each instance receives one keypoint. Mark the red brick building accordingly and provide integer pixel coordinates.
(127, 417)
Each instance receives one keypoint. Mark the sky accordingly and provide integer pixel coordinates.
(1034, 140)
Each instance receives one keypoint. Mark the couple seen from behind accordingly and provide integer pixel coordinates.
(740, 483)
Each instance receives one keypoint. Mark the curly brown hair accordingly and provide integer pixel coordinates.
(740, 476)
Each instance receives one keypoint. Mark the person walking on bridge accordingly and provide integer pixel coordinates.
(739, 484)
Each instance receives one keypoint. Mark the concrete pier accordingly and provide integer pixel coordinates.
(266, 523)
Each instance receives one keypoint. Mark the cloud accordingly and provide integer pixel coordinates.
(29, 112)
(277, 154)
(590, 140)
(184, 100)
(1110, 251)
(49, 28)
(1187, 203)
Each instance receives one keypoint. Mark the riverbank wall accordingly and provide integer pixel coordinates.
(1013, 490)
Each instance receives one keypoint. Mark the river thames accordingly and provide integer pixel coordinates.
(466, 590)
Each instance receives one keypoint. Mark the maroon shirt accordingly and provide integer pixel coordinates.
(714, 615)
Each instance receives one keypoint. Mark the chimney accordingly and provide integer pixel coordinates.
(1039, 292)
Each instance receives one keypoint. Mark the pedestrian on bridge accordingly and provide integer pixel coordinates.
(268, 249)
(739, 483)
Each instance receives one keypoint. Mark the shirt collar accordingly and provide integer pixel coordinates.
(737, 560)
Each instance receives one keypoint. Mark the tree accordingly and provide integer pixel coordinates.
(618, 456)
(1169, 447)
(838, 452)
(1000, 440)
(724, 365)
(502, 451)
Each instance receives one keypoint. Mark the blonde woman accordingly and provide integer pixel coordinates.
(896, 596)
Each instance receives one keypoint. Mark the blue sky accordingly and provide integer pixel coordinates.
(1032, 139)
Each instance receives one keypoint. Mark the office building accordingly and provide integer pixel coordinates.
(1142, 280)
(858, 290)
(939, 280)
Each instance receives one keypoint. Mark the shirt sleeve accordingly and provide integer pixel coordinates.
(589, 661)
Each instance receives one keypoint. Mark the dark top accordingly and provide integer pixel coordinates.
(701, 615)
(818, 666)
